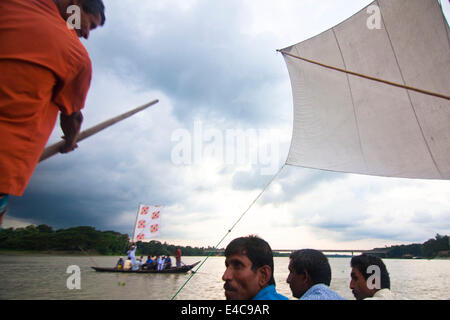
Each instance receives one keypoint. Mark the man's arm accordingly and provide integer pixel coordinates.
(70, 126)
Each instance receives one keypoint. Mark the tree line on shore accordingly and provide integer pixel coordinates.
(432, 248)
(43, 238)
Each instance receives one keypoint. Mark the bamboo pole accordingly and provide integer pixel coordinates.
(439, 95)
(54, 148)
(135, 222)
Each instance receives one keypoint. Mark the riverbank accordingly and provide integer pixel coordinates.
(87, 240)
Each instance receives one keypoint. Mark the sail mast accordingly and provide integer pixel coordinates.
(135, 222)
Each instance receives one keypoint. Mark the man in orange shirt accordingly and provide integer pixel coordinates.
(178, 257)
(44, 69)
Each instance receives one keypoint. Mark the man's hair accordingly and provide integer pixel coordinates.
(314, 262)
(364, 261)
(256, 249)
(95, 7)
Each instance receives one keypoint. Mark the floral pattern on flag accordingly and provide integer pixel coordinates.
(148, 223)
(144, 210)
(155, 215)
(141, 224)
(154, 228)
(140, 237)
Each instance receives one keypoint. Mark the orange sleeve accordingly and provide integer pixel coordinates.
(70, 94)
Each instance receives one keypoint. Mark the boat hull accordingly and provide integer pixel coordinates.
(182, 269)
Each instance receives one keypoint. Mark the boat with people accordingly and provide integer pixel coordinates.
(182, 269)
(147, 228)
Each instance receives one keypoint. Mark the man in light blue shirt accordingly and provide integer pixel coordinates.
(249, 270)
(310, 276)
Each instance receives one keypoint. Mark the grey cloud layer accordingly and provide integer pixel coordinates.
(202, 59)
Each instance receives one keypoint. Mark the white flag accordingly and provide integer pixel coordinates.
(147, 223)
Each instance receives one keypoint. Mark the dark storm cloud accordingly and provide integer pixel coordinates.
(104, 178)
(202, 59)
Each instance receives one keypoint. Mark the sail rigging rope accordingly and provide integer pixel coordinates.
(231, 229)
(89, 257)
(439, 95)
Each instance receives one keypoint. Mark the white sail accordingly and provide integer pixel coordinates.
(346, 123)
(148, 223)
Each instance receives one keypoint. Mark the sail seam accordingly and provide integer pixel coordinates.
(353, 101)
(409, 95)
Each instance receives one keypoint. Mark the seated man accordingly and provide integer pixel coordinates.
(364, 267)
(136, 265)
(120, 264)
(148, 264)
(156, 263)
(161, 263)
(310, 276)
(128, 264)
(249, 270)
(168, 263)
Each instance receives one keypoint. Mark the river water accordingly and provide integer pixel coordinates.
(45, 277)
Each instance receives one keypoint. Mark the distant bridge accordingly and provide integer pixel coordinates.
(352, 251)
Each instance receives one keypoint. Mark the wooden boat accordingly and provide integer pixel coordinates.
(182, 269)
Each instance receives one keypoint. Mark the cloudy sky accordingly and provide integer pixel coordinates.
(214, 67)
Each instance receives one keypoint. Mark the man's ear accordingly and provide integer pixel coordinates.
(265, 273)
(307, 279)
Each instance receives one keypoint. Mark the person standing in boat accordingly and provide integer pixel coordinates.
(132, 253)
(178, 257)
